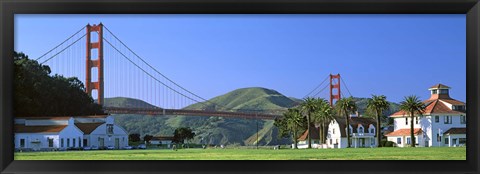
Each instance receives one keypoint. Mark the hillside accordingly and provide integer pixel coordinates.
(219, 130)
(213, 130)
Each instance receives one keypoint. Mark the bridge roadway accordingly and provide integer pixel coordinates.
(160, 111)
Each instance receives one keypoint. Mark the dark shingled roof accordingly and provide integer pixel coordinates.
(456, 131)
(88, 128)
(38, 129)
(355, 122)
(440, 86)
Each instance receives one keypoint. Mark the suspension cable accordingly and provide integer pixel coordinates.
(61, 43)
(345, 85)
(316, 87)
(64, 49)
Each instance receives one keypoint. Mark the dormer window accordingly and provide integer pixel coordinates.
(434, 91)
(443, 91)
(360, 130)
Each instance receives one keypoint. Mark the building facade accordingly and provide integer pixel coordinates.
(61, 133)
(442, 124)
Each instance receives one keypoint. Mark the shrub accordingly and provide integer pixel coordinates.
(389, 144)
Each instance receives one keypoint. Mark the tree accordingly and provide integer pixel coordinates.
(346, 106)
(308, 107)
(37, 93)
(182, 133)
(412, 105)
(292, 124)
(377, 105)
(134, 137)
(147, 138)
(322, 117)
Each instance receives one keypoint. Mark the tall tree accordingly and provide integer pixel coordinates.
(377, 105)
(37, 93)
(346, 106)
(322, 117)
(412, 105)
(308, 107)
(292, 123)
(183, 133)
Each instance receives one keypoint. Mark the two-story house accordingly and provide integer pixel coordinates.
(442, 124)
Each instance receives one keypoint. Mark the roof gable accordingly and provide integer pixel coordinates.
(88, 128)
(38, 129)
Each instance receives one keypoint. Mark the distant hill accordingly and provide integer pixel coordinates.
(220, 130)
(255, 98)
(127, 102)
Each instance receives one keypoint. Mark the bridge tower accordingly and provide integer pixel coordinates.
(96, 62)
(334, 88)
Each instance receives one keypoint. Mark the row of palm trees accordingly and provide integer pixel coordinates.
(319, 112)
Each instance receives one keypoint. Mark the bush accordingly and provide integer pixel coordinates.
(382, 143)
(389, 144)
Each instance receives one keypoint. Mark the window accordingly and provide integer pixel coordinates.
(372, 130)
(463, 119)
(416, 120)
(333, 130)
(408, 140)
(109, 129)
(447, 119)
(330, 141)
(462, 141)
(61, 143)
(446, 140)
(399, 140)
(434, 91)
(406, 120)
(443, 91)
(22, 142)
(85, 142)
(73, 142)
(50, 142)
(360, 129)
(437, 119)
(68, 142)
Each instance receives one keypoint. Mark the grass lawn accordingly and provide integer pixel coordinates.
(431, 153)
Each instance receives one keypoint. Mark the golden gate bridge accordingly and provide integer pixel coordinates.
(129, 75)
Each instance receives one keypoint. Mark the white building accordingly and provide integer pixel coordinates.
(165, 140)
(442, 124)
(51, 133)
(362, 134)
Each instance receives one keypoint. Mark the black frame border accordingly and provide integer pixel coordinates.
(10, 7)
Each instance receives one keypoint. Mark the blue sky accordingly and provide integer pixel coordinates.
(393, 55)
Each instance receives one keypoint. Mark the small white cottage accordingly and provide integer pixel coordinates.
(53, 133)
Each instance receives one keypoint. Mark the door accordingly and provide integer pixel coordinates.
(117, 143)
(362, 142)
(102, 142)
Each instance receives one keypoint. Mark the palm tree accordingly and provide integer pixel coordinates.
(308, 107)
(346, 106)
(294, 121)
(323, 116)
(412, 105)
(378, 104)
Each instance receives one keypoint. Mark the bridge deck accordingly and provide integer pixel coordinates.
(160, 111)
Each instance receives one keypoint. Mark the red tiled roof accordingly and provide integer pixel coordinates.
(456, 131)
(162, 138)
(314, 133)
(405, 132)
(440, 86)
(88, 128)
(38, 129)
(433, 107)
(61, 117)
(453, 101)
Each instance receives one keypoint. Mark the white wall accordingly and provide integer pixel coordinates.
(100, 132)
(41, 137)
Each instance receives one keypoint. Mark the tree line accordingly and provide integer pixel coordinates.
(37, 93)
(318, 112)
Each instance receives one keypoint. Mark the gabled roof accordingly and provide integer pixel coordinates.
(314, 133)
(162, 138)
(88, 128)
(38, 129)
(404, 132)
(434, 107)
(61, 117)
(440, 86)
(456, 131)
(354, 122)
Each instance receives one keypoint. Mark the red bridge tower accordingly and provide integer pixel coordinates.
(97, 62)
(334, 88)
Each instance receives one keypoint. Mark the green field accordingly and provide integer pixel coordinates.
(432, 153)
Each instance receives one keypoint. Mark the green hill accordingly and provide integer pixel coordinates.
(220, 130)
